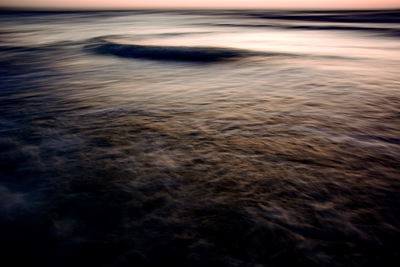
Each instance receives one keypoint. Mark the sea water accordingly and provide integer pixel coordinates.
(200, 138)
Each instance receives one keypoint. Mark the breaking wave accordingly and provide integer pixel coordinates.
(180, 53)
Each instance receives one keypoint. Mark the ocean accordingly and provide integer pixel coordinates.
(200, 138)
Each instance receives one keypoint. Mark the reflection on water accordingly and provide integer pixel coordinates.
(154, 138)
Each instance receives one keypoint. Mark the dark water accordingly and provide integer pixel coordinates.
(207, 138)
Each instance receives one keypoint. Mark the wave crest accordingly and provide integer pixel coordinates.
(179, 53)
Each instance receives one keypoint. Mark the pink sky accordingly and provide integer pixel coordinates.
(131, 4)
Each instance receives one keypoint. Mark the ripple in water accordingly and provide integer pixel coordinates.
(263, 161)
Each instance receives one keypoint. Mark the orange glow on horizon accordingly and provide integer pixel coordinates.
(262, 4)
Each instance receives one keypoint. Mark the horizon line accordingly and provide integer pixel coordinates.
(19, 8)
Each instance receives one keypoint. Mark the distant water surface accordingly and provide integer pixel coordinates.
(200, 138)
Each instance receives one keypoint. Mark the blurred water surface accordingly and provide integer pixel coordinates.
(200, 138)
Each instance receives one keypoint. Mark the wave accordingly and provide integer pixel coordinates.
(350, 16)
(393, 32)
(10, 48)
(175, 53)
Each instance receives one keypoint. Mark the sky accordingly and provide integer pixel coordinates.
(265, 4)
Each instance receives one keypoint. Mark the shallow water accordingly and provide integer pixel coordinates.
(207, 138)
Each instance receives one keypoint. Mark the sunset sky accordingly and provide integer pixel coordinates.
(266, 4)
